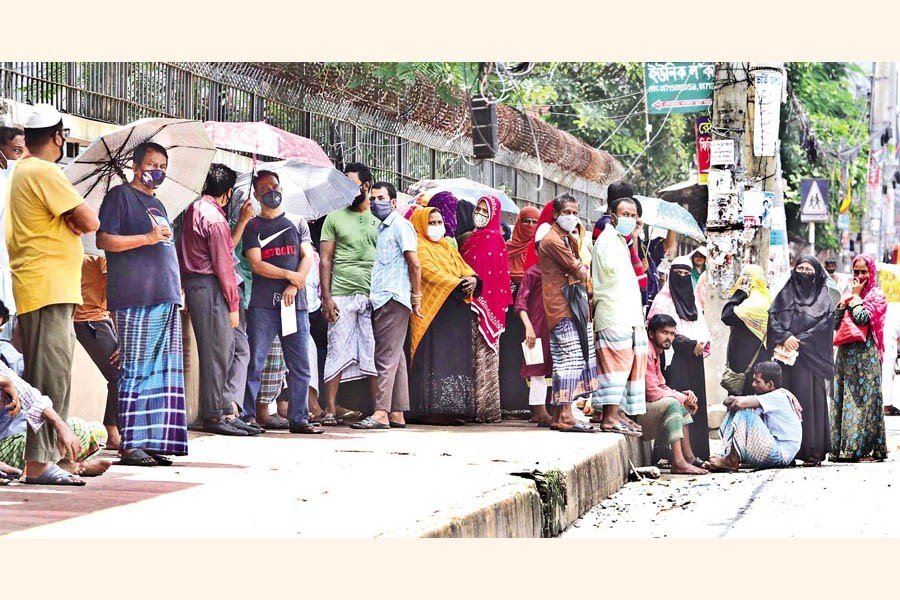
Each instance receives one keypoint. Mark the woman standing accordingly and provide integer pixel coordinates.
(513, 391)
(446, 203)
(678, 300)
(485, 251)
(856, 414)
(440, 379)
(801, 319)
(747, 313)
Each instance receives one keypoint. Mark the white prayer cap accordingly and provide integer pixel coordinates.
(44, 115)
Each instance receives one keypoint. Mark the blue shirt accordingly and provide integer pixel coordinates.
(390, 274)
(782, 421)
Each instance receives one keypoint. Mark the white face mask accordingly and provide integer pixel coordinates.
(480, 220)
(436, 232)
(567, 222)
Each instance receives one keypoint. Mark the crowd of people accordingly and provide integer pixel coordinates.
(446, 318)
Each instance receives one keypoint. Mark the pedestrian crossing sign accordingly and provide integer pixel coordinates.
(814, 202)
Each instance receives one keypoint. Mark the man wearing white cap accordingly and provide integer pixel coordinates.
(46, 218)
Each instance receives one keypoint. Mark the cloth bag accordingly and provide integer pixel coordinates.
(848, 332)
(733, 381)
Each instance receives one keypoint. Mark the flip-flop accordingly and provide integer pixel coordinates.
(396, 425)
(544, 425)
(349, 415)
(163, 461)
(619, 428)
(578, 427)
(276, 422)
(369, 423)
(328, 420)
(698, 463)
(54, 475)
(137, 458)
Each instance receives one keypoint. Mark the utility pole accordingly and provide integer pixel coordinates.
(882, 127)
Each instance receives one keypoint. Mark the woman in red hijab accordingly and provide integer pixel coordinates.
(522, 237)
(485, 251)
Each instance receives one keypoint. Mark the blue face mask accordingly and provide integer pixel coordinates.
(381, 209)
(625, 225)
(153, 178)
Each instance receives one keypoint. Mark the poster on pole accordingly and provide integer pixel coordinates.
(813, 200)
(769, 86)
(703, 133)
(873, 181)
(721, 152)
(681, 87)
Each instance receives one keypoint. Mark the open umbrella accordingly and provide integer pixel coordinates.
(668, 215)
(107, 161)
(463, 189)
(307, 190)
(258, 137)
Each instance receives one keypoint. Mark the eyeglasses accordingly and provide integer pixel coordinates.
(65, 132)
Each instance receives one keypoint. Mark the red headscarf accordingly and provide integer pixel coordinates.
(531, 257)
(522, 238)
(874, 302)
(485, 252)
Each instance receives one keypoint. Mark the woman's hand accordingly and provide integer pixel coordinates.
(792, 344)
(468, 285)
(530, 338)
(857, 287)
(698, 348)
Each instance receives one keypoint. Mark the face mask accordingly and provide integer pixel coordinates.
(153, 178)
(625, 225)
(567, 222)
(436, 232)
(62, 151)
(480, 220)
(271, 199)
(381, 209)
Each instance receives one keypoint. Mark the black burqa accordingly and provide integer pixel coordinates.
(687, 371)
(743, 344)
(803, 309)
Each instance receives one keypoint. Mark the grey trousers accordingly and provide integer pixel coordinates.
(215, 342)
(240, 361)
(389, 324)
(48, 341)
(98, 338)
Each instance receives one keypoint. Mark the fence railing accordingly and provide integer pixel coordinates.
(121, 92)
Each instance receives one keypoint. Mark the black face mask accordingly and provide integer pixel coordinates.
(358, 200)
(271, 199)
(62, 151)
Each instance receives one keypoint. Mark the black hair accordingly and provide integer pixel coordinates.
(619, 189)
(260, 174)
(37, 138)
(219, 180)
(830, 259)
(660, 320)
(391, 190)
(4, 313)
(614, 205)
(769, 371)
(560, 202)
(141, 150)
(361, 170)
(8, 134)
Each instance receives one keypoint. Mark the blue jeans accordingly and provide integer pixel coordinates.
(263, 324)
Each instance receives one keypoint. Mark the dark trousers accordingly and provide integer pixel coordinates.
(263, 324)
(389, 324)
(48, 340)
(240, 360)
(98, 338)
(215, 342)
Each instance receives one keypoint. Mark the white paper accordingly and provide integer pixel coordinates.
(533, 356)
(288, 318)
(721, 152)
(769, 85)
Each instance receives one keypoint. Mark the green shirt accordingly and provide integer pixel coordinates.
(354, 235)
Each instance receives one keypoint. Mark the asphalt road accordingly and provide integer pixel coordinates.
(834, 500)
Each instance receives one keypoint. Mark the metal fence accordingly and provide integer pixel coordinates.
(121, 92)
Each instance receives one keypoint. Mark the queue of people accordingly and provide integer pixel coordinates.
(441, 315)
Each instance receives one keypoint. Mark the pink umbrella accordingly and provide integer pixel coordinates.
(261, 138)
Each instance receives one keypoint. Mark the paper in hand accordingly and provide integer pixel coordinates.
(288, 318)
(533, 356)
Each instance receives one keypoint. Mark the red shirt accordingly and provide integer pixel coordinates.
(656, 383)
(206, 248)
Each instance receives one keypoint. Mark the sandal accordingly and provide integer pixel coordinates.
(328, 420)
(348, 415)
(620, 428)
(137, 458)
(369, 423)
(891, 411)
(54, 475)
(163, 461)
(578, 427)
(276, 422)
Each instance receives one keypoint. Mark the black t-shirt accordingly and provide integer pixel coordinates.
(279, 242)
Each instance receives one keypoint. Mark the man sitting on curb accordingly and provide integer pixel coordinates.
(668, 411)
(760, 431)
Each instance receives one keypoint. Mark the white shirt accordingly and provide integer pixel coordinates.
(617, 295)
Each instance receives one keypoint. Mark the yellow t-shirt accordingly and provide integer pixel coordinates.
(44, 255)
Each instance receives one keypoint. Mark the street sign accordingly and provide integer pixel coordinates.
(814, 203)
(844, 221)
(681, 87)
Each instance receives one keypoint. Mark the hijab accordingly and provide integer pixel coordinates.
(874, 301)
(522, 238)
(754, 310)
(803, 308)
(678, 300)
(446, 202)
(485, 251)
(546, 216)
(442, 267)
(465, 222)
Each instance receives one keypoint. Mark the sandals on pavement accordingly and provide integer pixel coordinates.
(137, 458)
(395, 425)
(276, 422)
(620, 428)
(54, 475)
(328, 420)
(578, 427)
(369, 423)
(348, 415)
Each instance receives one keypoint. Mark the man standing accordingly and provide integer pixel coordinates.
(12, 149)
(618, 324)
(144, 291)
(46, 219)
(206, 255)
(279, 249)
(761, 431)
(668, 411)
(347, 254)
(396, 277)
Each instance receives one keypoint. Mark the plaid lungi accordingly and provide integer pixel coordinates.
(752, 440)
(272, 376)
(151, 387)
(572, 376)
(621, 368)
(92, 437)
(351, 341)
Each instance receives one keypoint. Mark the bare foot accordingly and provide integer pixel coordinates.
(75, 468)
(686, 468)
(721, 463)
(5, 468)
(95, 467)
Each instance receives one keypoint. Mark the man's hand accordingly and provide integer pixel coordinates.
(234, 318)
(297, 280)
(330, 309)
(792, 344)
(289, 294)
(698, 349)
(416, 302)
(70, 223)
(13, 405)
(690, 403)
(114, 359)
(159, 233)
(246, 212)
(66, 441)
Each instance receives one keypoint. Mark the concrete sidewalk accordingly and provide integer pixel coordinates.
(504, 480)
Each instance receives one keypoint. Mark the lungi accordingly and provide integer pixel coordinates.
(92, 437)
(351, 342)
(752, 440)
(572, 375)
(621, 368)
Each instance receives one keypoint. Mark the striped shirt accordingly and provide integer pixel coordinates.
(32, 404)
(390, 274)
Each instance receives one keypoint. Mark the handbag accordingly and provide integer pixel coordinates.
(848, 332)
(576, 296)
(733, 381)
